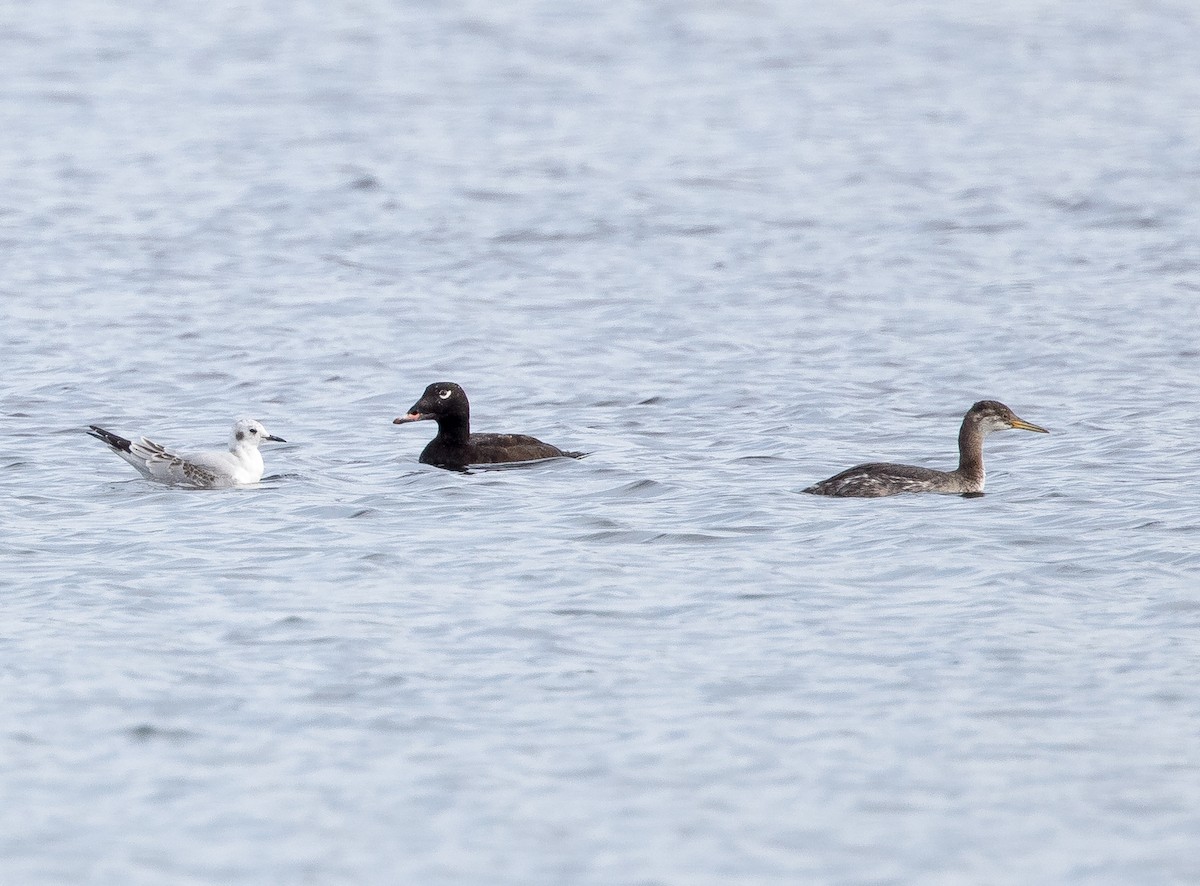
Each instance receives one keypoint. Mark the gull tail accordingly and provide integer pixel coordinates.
(119, 444)
(122, 447)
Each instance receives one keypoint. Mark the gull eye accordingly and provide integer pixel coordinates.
(254, 430)
(445, 395)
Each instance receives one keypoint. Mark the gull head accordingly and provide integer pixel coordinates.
(248, 432)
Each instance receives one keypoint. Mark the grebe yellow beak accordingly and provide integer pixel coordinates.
(1027, 426)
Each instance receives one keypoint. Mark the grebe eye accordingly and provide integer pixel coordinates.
(445, 395)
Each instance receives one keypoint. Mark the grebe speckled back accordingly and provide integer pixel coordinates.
(878, 479)
(455, 447)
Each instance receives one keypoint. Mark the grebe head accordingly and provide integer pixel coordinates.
(992, 415)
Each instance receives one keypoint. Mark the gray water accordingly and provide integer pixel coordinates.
(728, 249)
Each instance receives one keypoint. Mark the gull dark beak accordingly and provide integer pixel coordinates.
(1027, 426)
(274, 439)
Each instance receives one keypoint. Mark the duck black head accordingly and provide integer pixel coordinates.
(442, 401)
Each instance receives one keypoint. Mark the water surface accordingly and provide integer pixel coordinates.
(729, 250)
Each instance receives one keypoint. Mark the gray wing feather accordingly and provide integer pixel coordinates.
(162, 464)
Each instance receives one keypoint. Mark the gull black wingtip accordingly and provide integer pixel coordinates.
(108, 437)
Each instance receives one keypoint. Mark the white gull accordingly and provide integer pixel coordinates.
(242, 464)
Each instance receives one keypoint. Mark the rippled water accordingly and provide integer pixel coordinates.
(728, 249)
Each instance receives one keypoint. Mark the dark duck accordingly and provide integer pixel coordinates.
(455, 447)
(879, 479)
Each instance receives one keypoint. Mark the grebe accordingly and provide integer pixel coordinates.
(455, 447)
(241, 465)
(878, 479)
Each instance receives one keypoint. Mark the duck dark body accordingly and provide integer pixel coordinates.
(456, 448)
